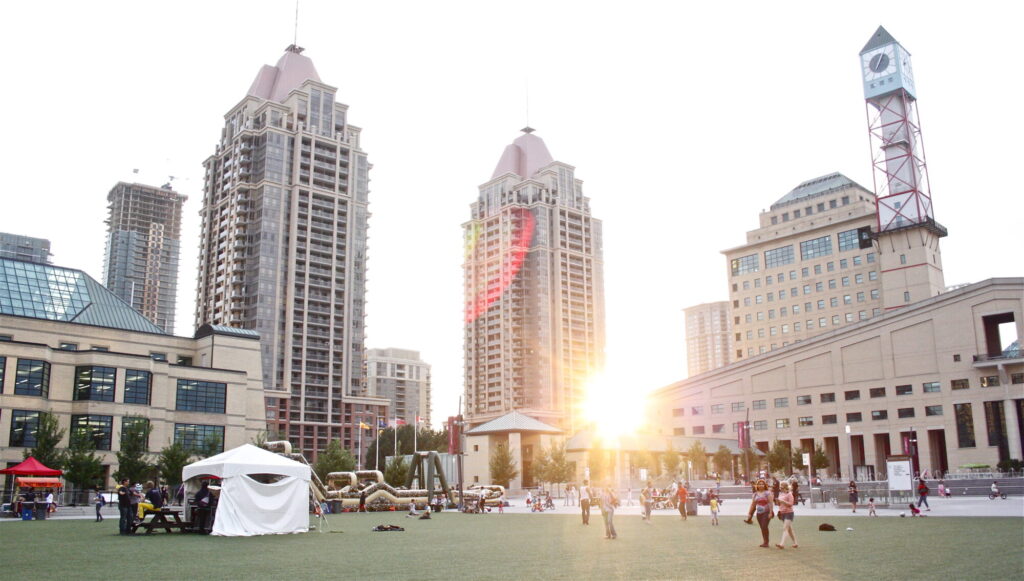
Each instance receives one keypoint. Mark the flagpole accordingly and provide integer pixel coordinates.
(360, 457)
(415, 430)
(396, 438)
(376, 446)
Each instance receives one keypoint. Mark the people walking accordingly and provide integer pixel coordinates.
(871, 507)
(100, 503)
(786, 515)
(681, 496)
(585, 497)
(852, 489)
(609, 501)
(647, 501)
(761, 505)
(922, 494)
(714, 510)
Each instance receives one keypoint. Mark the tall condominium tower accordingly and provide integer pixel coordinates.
(283, 250)
(27, 248)
(707, 336)
(400, 376)
(534, 290)
(143, 248)
(805, 270)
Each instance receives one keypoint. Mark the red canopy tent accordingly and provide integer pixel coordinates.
(31, 467)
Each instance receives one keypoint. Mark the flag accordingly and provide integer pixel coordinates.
(399, 422)
(419, 420)
(363, 426)
(382, 423)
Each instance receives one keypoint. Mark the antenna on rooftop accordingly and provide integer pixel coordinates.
(527, 101)
(295, 38)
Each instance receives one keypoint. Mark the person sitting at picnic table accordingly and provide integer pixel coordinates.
(152, 500)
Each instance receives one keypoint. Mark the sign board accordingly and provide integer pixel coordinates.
(901, 474)
(807, 459)
(643, 474)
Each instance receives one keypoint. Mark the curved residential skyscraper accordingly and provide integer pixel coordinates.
(283, 250)
(534, 290)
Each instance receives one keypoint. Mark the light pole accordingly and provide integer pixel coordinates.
(849, 441)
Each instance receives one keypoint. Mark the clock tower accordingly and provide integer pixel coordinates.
(907, 233)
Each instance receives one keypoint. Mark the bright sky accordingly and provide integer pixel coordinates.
(683, 121)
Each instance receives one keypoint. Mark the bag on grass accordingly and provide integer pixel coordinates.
(826, 527)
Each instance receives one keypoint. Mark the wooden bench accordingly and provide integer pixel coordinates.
(160, 521)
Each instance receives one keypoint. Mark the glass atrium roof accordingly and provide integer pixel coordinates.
(41, 291)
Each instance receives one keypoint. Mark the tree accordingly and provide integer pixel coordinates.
(82, 467)
(552, 465)
(333, 459)
(502, 465)
(751, 459)
(698, 458)
(133, 461)
(779, 457)
(396, 472)
(171, 461)
(211, 446)
(722, 460)
(671, 460)
(426, 440)
(644, 459)
(48, 437)
(819, 460)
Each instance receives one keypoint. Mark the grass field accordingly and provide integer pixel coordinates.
(523, 546)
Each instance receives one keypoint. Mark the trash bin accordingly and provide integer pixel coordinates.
(26, 511)
(691, 507)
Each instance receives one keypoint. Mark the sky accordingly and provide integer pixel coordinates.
(683, 121)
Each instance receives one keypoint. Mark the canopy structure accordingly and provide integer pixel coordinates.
(38, 482)
(249, 506)
(31, 467)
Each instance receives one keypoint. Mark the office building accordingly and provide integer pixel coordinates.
(283, 250)
(26, 248)
(70, 347)
(143, 249)
(708, 331)
(534, 295)
(401, 377)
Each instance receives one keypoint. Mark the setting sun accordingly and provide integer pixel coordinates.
(614, 407)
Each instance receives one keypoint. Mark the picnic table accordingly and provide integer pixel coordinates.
(160, 521)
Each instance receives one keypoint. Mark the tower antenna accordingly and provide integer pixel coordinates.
(295, 38)
(527, 129)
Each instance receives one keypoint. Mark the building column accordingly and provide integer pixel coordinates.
(870, 453)
(515, 445)
(1011, 413)
(924, 451)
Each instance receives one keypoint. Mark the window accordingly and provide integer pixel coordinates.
(843, 263)
(964, 425)
(158, 356)
(857, 261)
(200, 396)
(196, 437)
(932, 387)
(822, 322)
(718, 408)
(831, 283)
(831, 266)
(835, 319)
(833, 302)
(874, 293)
(697, 410)
(858, 278)
(987, 381)
(871, 257)
(760, 404)
(782, 423)
(759, 299)
(1015, 378)
(827, 397)
(933, 410)
(760, 424)
(792, 275)
(877, 392)
(814, 248)
(745, 264)
(32, 378)
(65, 346)
(904, 389)
(782, 402)
(906, 296)
(873, 275)
(805, 421)
(94, 383)
(803, 400)
(807, 289)
(848, 240)
(860, 296)
(960, 384)
(821, 304)
(852, 395)
(905, 412)
(903, 258)
(847, 300)
(678, 431)
(3, 365)
(853, 417)
(737, 406)
(698, 430)
(880, 415)
(828, 419)
(678, 412)
(97, 428)
(129, 425)
(779, 257)
(137, 384)
(718, 428)
(23, 428)
(817, 269)
(819, 287)
(99, 348)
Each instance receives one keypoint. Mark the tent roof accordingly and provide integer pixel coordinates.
(246, 459)
(31, 467)
(38, 482)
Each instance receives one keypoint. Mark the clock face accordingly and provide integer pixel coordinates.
(879, 63)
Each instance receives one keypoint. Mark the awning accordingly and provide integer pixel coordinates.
(38, 482)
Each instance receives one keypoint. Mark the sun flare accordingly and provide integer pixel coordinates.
(614, 407)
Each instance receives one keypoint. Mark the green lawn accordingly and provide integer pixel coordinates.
(524, 546)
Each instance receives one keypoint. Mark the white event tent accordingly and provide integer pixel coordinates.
(249, 507)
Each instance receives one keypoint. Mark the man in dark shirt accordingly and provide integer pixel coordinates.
(124, 505)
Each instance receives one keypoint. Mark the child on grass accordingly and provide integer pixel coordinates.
(871, 507)
(914, 511)
(714, 510)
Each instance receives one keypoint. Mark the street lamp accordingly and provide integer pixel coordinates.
(849, 441)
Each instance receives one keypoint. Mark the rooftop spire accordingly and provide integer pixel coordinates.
(881, 37)
(524, 156)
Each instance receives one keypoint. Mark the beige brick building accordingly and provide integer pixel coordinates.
(70, 347)
(947, 372)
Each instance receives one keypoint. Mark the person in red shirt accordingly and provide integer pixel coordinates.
(681, 500)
